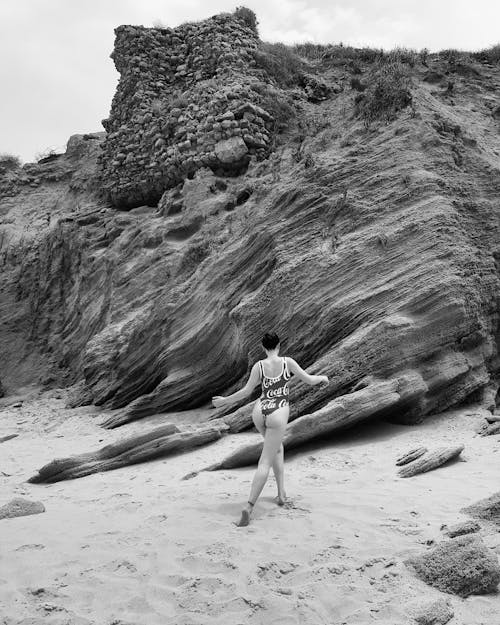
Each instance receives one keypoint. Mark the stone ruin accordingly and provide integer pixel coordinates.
(185, 101)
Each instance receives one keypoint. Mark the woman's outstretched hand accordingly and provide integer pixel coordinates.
(324, 380)
(218, 401)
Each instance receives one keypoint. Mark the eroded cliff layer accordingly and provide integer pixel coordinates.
(373, 249)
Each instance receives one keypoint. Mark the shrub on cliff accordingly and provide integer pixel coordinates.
(309, 50)
(280, 63)
(451, 55)
(194, 255)
(9, 161)
(276, 102)
(387, 93)
(247, 16)
(47, 155)
(490, 55)
(342, 54)
(401, 55)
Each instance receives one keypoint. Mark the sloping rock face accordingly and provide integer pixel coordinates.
(39, 206)
(373, 251)
(184, 102)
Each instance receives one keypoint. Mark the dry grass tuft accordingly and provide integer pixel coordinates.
(388, 92)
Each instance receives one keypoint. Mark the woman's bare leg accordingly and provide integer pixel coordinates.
(272, 442)
(279, 474)
(278, 463)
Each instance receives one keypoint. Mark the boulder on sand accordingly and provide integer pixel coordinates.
(431, 612)
(462, 566)
(460, 529)
(488, 509)
(20, 507)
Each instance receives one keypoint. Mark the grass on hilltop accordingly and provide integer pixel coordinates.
(345, 53)
(388, 91)
(9, 161)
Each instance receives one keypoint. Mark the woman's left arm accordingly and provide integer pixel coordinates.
(253, 380)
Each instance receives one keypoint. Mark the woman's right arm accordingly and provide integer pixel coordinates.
(253, 380)
(297, 370)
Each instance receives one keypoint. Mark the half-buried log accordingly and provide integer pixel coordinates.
(340, 413)
(3, 439)
(488, 429)
(240, 419)
(411, 455)
(431, 461)
(158, 442)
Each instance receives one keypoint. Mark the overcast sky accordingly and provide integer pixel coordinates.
(57, 79)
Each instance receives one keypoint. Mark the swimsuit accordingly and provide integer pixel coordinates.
(274, 390)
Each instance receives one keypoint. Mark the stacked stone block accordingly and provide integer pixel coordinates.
(184, 101)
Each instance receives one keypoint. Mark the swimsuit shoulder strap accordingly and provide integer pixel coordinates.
(285, 367)
(261, 370)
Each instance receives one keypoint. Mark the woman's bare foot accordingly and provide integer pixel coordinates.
(281, 499)
(245, 516)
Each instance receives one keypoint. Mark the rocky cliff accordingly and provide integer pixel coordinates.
(347, 199)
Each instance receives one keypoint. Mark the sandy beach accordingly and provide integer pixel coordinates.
(140, 546)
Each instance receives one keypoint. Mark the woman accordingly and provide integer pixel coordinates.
(270, 414)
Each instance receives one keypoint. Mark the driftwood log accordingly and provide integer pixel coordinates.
(493, 418)
(410, 456)
(431, 461)
(7, 438)
(340, 413)
(240, 419)
(158, 442)
(488, 429)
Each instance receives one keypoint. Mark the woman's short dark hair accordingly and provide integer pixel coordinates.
(270, 340)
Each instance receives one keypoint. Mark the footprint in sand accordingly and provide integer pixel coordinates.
(123, 566)
(220, 549)
(272, 571)
(331, 553)
(47, 601)
(101, 534)
(291, 504)
(210, 595)
(197, 564)
(120, 567)
(174, 581)
(157, 518)
(306, 578)
(128, 506)
(30, 546)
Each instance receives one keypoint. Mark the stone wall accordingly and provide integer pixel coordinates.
(184, 101)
